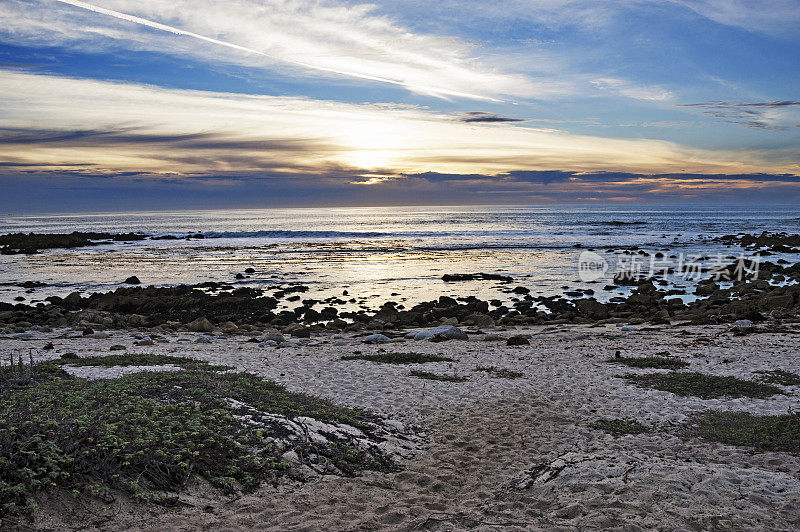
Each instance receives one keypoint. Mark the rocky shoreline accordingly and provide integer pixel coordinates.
(721, 297)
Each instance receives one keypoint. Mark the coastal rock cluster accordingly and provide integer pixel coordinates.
(222, 307)
(31, 243)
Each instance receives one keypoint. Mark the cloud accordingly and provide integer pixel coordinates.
(309, 37)
(630, 90)
(775, 17)
(772, 115)
(118, 127)
(479, 116)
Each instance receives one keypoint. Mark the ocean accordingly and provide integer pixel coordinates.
(378, 254)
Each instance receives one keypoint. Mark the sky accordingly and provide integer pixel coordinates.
(173, 104)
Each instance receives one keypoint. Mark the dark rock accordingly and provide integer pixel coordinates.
(453, 277)
(517, 340)
(301, 332)
(132, 280)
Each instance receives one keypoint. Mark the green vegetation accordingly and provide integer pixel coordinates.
(703, 386)
(500, 373)
(620, 427)
(764, 433)
(399, 358)
(779, 376)
(148, 433)
(141, 359)
(650, 362)
(435, 377)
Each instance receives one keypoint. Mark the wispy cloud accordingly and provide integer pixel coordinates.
(773, 115)
(308, 36)
(631, 90)
(776, 17)
(480, 116)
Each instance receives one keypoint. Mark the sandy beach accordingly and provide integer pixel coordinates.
(492, 453)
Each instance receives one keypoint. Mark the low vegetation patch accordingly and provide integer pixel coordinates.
(399, 358)
(141, 359)
(779, 376)
(763, 433)
(620, 427)
(434, 377)
(650, 362)
(148, 433)
(500, 373)
(703, 386)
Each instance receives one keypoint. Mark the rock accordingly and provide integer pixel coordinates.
(249, 270)
(301, 332)
(229, 327)
(521, 290)
(200, 325)
(145, 342)
(452, 277)
(239, 276)
(479, 320)
(377, 339)
(73, 299)
(88, 331)
(290, 457)
(132, 280)
(518, 340)
(448, 332)
(592, 309)
(387, 313)
(117, 347)
(706, 289)
(274, 336)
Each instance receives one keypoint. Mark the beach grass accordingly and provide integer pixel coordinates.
(434, 377)
(779, 376)
(398, 358)
(649, 362)
(763, 433)
(147, 434)
(500, 373)
(620, 427)
(704, 386)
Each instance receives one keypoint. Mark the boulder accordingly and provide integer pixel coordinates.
(448, 332)
(132, 280)
(592, 309)
(518, 340)
(201, 325)
(479, 320)
(376, 339)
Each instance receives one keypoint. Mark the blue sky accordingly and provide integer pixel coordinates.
(180, 103)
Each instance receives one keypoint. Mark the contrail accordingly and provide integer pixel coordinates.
(178, 31)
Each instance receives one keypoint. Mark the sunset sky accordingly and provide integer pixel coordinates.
(154, 104)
